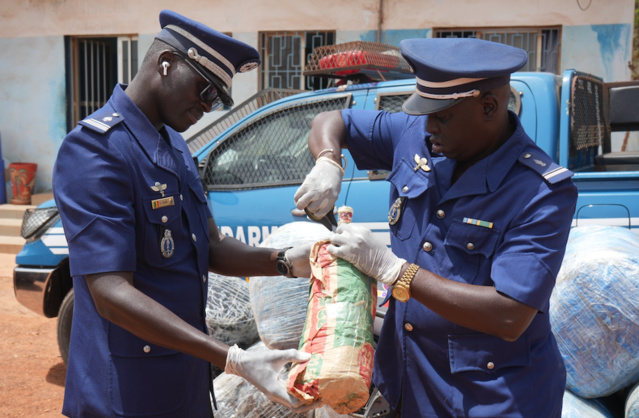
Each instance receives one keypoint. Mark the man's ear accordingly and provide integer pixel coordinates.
(490, 105)
(165, 59)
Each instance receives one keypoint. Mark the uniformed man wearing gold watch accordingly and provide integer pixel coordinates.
(401, 288)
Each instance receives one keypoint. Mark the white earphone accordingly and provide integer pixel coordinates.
(165, 65)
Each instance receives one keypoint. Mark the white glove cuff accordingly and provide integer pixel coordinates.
(391, 274)
(232, 357)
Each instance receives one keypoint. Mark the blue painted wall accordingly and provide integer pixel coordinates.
(32, 103)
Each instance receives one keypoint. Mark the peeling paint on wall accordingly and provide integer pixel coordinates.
(614, 44)
(609, 61)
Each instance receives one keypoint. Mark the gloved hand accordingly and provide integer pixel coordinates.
(262, 369)
(299, 259)
(357, 245)
(320, 188)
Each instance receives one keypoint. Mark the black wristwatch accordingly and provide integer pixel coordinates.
(284, 266)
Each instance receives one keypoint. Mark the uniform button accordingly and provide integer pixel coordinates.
(194, 237)
(165, 219)
(526, 155)
(116, 115)
(490, 365)
(427, 246)
(405, 189)
(181, 197)
(408, 326)
(147, 349)
(204, 278)
(441, 214)
(470, 246)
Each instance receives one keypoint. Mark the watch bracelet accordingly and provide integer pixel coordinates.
(408, 275)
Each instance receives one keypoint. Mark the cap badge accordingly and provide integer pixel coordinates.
(167, 245)
(158, 187)
(249, 66)
(421, 163)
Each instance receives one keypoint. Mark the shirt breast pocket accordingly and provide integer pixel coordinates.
(197, 192)
(407, 185)
(162, 230)
(487, 354)
(468, 246)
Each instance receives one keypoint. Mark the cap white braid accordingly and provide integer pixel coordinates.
(445, 84)
(449, 83)
(204, 61)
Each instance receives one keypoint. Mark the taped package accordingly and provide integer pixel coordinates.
(338, 334)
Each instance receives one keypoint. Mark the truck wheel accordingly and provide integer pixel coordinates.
(65, 315)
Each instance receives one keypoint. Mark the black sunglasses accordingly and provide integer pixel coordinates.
(209, 94)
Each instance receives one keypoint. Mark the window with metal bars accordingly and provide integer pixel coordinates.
(284, 55)
(93, 67)
(541, 44)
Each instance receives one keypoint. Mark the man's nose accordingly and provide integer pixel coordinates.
(432, 126)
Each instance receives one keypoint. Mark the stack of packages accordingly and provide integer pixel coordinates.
(338, 333)
(594, 311)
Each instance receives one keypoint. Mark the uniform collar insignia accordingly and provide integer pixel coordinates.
(421, 163)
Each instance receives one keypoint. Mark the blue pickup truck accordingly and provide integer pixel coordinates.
(252, 169)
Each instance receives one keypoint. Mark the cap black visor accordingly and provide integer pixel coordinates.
(418, 105)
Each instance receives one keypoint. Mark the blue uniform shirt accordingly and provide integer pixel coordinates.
(505, 224)
(131, 200)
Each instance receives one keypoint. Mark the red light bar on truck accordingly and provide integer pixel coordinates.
(374, 60)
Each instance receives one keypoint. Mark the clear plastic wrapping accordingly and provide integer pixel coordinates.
(594, 310)
(236, 398)
(229, 316)
(632, 403)
(576, 407)
(278, 302)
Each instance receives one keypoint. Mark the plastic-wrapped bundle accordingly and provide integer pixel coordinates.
(236, 398)
(278, 302)
(576, 407)
(229, 316)
(339, 335)
(594, 310)
(632, 403)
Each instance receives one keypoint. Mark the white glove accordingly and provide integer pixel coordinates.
(262, 368)
(357, 245)
(299, 259)
(320, 188)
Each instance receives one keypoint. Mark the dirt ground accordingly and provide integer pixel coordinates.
(31, 369)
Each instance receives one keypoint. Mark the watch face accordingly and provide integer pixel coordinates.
(400, 294)
(282, 268)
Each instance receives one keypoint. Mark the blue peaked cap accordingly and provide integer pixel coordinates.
(217, 55)
(447, 70)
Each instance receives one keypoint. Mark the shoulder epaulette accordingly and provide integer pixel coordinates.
(547, 168)
(102, 123)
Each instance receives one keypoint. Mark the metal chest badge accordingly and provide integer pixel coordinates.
(167, 245)
(395, 211)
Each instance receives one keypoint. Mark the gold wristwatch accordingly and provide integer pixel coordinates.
(401, 288)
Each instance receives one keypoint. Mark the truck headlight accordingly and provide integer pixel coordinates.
(37, 220)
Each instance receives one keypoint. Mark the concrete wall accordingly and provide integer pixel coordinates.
(596, 38)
